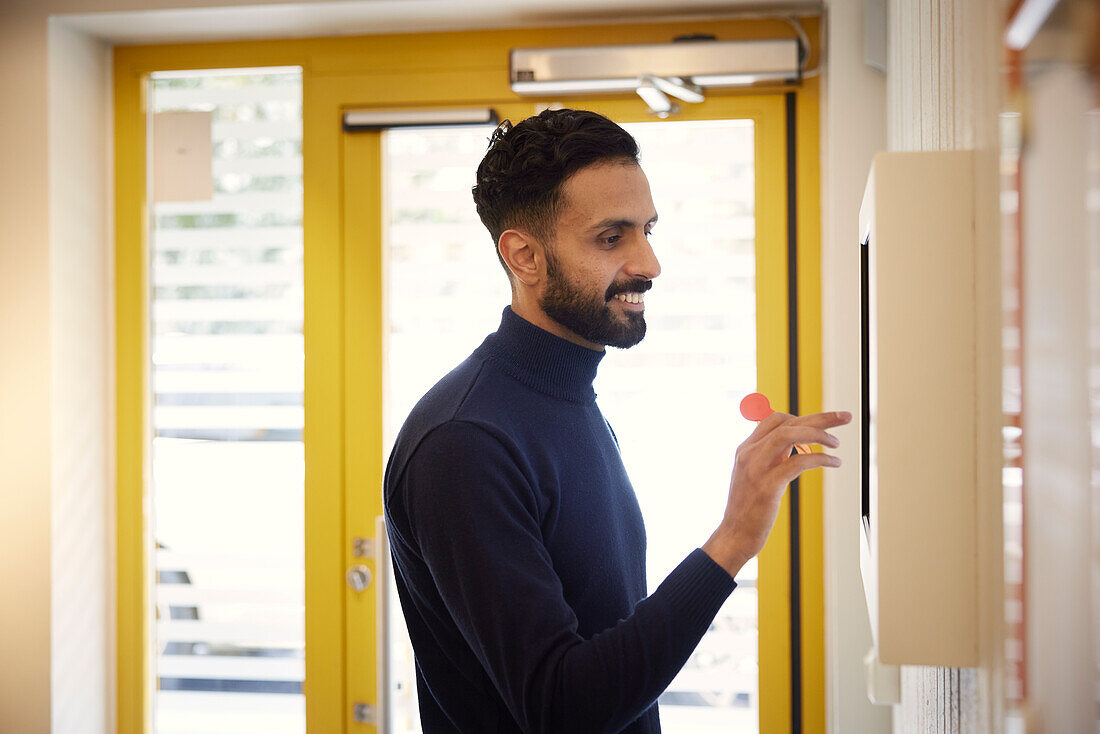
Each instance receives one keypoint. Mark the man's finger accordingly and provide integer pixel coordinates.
(769, 424)
(795, 465)
(789, 435)
(831, 419)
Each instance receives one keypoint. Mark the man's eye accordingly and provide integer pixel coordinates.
(612, 239)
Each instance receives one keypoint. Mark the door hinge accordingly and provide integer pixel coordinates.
(365, 713)
(363, 547)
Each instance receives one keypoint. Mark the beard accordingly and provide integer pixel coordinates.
(588, 313)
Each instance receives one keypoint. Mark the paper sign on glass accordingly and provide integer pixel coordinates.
(183, 151)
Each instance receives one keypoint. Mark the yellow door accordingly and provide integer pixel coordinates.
(346, 258)
(715, 172)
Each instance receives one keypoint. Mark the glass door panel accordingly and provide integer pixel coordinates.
(673, 400)
(227, 380)
(445, 288)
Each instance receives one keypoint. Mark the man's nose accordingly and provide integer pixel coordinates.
(643, 262)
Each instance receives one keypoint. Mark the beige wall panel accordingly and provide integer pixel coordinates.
(24, 377)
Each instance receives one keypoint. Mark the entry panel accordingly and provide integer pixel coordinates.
(921, 417)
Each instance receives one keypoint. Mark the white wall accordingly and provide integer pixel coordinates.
(853, 130)
(82, 385)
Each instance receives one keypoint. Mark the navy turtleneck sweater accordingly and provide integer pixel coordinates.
(519, 552)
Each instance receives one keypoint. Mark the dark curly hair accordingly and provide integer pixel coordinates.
(520, 178)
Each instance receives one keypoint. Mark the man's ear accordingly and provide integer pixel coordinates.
(523, 255)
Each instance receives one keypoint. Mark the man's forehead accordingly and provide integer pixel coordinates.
(609, 193)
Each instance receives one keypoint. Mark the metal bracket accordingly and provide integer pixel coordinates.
(365, 713)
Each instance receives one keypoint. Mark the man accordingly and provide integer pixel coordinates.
(518, 544)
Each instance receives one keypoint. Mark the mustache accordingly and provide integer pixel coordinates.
(629, 286)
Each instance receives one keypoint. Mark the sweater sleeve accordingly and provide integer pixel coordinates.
(474, 516)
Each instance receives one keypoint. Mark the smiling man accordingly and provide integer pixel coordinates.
(518, 543)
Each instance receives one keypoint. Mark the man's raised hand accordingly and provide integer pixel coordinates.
(763, 467)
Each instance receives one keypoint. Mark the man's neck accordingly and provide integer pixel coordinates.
(535, 315)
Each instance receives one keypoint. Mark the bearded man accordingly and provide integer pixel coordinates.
(517, 541)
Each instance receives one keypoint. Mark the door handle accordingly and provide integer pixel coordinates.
(358, 577)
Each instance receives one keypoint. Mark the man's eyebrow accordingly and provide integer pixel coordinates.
(608, 223)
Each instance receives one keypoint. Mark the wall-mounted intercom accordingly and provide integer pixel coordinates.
(920, 419)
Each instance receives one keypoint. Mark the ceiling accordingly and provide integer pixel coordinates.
(356, 17)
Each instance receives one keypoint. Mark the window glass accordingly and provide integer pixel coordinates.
(227, 379)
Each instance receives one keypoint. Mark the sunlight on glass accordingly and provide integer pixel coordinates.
(673, 400)
(227, 460)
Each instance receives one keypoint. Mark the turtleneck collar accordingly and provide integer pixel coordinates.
(541, 360)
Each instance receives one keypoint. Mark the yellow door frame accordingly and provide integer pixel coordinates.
(343, 327)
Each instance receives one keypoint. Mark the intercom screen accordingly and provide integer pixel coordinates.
(865, 383)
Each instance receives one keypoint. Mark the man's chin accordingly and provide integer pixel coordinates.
(606, 325)
(631, 335)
